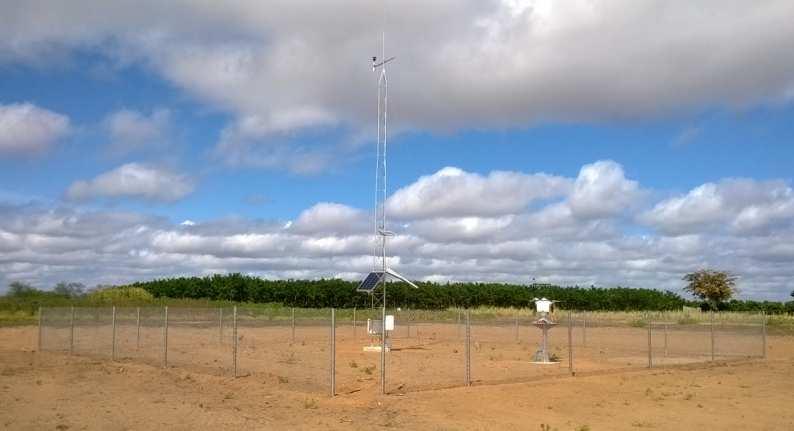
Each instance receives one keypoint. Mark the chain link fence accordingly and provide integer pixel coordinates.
(338, 351)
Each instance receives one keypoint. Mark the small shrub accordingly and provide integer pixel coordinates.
(309, 403)
(120, 295)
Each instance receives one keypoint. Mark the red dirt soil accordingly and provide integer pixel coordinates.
(55, 391)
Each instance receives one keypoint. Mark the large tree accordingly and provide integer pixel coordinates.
(69, 290)
(711, 286)
(20, 288)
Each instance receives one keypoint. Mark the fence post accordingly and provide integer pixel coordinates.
(71, 332)
(293, 324)
(570, 342)
(220, 325)
(333, 352)
(516, 330)
(468, 347)
(113, 347)
(137, 327)
(234, 333)
(458, 325)
(665, 339)
(354, 323)
(584, 331)
(763, 334)
(712, 335)
(408, 323)
(165, 337)
(650, 343)
(40, 332)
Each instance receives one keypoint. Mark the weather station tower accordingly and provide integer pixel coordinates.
(375, 282)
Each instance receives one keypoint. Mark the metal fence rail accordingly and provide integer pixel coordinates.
(332, 351)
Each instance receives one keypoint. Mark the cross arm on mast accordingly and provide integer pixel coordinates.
(382, 63)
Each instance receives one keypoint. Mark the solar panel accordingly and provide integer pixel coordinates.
(369, 283)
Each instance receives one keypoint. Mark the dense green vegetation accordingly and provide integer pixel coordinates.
(342, 294)
(22, 301)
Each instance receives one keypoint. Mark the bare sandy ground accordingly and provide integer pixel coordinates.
(55, 391)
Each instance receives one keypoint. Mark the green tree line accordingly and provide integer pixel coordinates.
(343, 294)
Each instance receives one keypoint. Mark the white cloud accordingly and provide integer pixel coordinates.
(451, 192)
(602, 190)
(461, 64)
(252, 141)
(329, 217)
(134, 180)
(131, 130)
(744, 206)
(749, 232)
(28, 129)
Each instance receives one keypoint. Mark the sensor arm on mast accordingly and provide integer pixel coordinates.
(377, 65)
(394, 274)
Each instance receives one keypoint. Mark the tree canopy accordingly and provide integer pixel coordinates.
(712, 286)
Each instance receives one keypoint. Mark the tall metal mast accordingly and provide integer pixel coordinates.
(381, 233)
(380, 270)
(380, 199)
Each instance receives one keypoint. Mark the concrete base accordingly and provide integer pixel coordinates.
(544, 363)
(374, 348)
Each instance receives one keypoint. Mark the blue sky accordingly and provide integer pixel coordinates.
(664, 152)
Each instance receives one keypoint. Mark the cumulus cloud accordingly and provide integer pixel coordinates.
(28, 129)
(253, 142)
(329, 217)
(134, 180)
(748, 231)
(602, 190)
(461, 64)
(132, 131)
(744, 206)
(451, 192)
